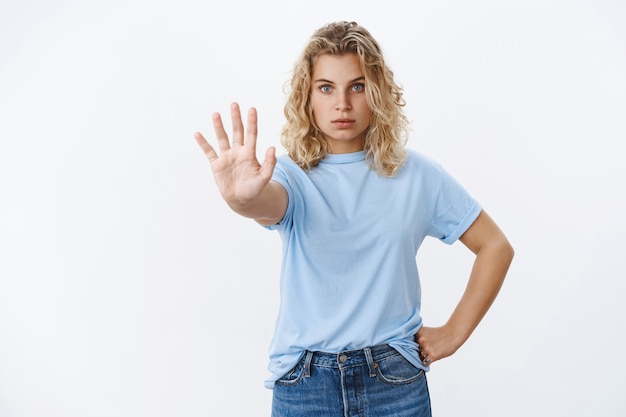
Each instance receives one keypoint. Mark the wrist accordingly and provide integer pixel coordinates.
(458, 332)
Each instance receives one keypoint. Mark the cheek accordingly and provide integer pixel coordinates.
(316, 109)
(367, 113)
(361, 103)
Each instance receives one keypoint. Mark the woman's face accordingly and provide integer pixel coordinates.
(338, 99)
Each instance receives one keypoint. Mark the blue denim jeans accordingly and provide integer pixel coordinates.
(372, 382)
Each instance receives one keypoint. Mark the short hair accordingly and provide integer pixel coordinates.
(386, 136)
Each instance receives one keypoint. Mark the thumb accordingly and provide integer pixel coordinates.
(267, 168)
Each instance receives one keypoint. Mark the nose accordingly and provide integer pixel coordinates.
(343, 102)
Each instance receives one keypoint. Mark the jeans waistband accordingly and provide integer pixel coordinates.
(350, 358)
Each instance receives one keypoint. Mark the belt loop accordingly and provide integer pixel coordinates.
(307, 363)
(370, 362)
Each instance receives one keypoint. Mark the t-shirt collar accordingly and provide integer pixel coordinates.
(344, 158)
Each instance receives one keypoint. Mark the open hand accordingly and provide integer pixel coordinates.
(237, 172)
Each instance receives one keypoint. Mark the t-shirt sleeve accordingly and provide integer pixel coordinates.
(280, 176)
(454, 211)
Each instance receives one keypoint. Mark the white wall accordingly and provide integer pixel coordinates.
(127, 288)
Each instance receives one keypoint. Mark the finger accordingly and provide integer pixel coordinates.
(421, 353)
(424, 357)
(206, 148)
(220, 133)
(267, 168)
(235, 115)
(251, 128)
(419, 337)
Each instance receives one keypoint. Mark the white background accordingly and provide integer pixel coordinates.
(127, 288)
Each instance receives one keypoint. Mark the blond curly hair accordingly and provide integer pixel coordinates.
(386, 136)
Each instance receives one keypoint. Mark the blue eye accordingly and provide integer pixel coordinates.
(325, 89)
(358, 87)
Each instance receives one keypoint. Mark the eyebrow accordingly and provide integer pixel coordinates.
(323, 80)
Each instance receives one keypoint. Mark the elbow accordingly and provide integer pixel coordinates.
(510, 252)
(499, 250)
(506, 251)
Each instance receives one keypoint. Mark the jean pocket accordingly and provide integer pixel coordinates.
(294, 376)
(397, 370)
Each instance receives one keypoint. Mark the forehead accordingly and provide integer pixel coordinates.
(337, 68)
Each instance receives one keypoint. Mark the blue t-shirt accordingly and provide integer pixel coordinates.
(349, 277)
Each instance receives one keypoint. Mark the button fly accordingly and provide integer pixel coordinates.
(343, 358)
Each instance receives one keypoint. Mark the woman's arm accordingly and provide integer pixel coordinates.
(494, 254)
(243, 182)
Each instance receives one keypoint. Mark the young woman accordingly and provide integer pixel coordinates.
(352, 206)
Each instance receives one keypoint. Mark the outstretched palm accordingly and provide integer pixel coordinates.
(238, 174)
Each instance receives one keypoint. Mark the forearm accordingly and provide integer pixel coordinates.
(493, 257)
(488, 272)
(267, 208)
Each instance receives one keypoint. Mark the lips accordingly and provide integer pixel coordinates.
(343, 123)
